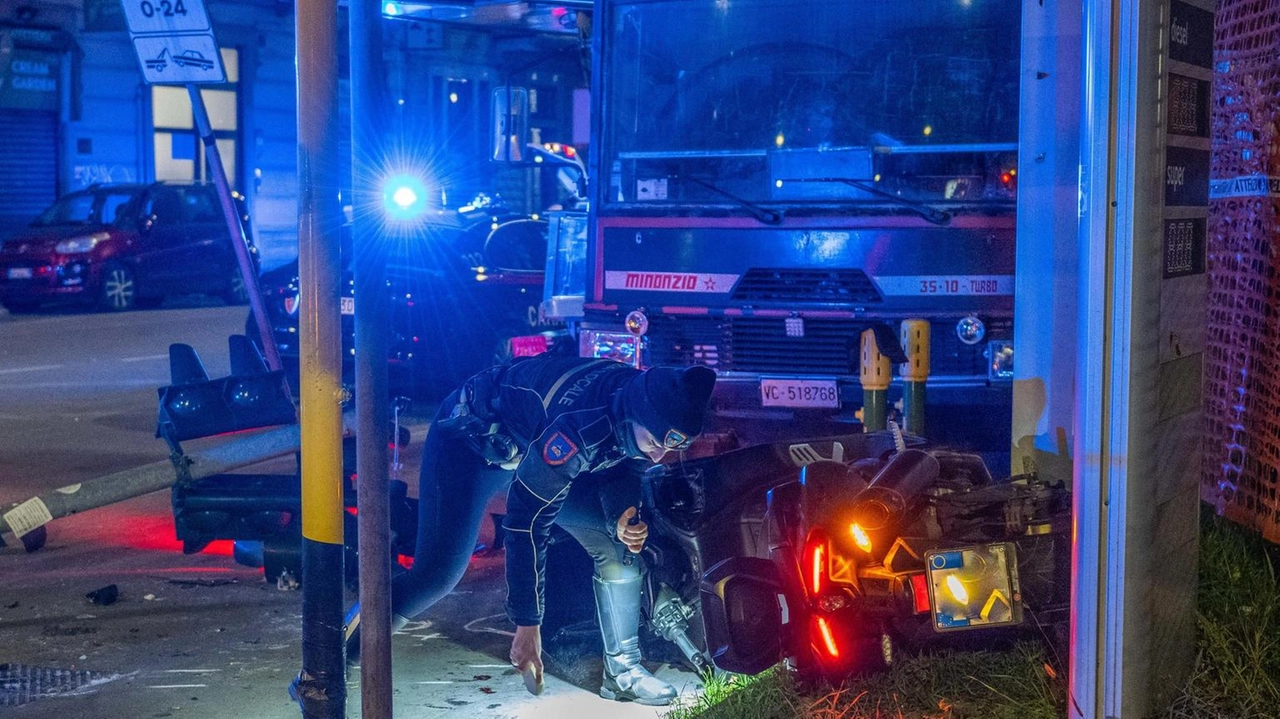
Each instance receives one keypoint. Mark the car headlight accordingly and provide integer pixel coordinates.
(79, 245)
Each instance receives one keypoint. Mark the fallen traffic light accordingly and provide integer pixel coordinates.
(195, 406)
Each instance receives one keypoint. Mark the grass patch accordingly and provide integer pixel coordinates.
(1237, 673)
(1012, 684)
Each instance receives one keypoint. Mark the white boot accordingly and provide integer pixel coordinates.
(618, 608)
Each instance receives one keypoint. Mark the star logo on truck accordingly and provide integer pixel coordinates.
(709, 284)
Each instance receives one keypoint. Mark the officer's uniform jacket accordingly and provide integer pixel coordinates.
(559, 412)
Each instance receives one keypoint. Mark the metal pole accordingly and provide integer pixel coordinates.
(137, 481)
(322, 688)
(368, 106)
(247, 271)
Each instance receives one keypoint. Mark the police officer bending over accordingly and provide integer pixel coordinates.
(543, 427)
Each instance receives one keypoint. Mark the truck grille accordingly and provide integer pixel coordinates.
(828, 347)
(761, 285)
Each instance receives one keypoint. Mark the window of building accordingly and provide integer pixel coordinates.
(178, 154)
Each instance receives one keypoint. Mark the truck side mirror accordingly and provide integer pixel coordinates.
(510, 112)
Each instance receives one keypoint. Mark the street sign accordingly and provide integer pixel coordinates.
(174, 41)
(179, 59)
(165, 17)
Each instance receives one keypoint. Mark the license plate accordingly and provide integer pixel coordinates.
(799, 393)
(528, 346)
(347, 305)
(20, 273)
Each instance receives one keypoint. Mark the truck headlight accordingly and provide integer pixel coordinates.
(618, 346)
(970, 330)
(637, 323)
(1000, 359)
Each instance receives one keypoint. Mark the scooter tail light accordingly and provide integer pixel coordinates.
(828, 637)
(818, 554)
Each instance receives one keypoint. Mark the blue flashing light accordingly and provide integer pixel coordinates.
(404, 197)
(392, 9)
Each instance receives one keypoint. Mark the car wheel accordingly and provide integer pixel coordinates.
(235, 292)
(119, 289)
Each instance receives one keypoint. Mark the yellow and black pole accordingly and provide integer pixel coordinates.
(874, 371)
(914, 336)
(321, 686)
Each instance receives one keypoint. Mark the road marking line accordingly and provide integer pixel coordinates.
(145, 358)
(190, 671)
(37, 368)
(154, 382)
(177, 686)
(471, 627)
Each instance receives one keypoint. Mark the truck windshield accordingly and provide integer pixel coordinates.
(758, 98)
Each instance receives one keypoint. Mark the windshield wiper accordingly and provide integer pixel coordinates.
(763, 214)
(930, 214)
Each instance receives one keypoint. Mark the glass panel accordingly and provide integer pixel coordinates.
(169, 167)
(231, 63)
(227, 151)
(221, 106)
(83, 208)
(198, 206)
(113, 206)
(163, 207)
(171, 107)
(783, 101)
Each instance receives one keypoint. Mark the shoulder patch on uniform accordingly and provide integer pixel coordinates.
(558, 449)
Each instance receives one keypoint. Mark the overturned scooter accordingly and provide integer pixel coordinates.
(832, 554)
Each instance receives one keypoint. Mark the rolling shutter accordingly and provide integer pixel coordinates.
(28, 166)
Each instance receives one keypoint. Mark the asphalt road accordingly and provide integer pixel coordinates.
(197, 635)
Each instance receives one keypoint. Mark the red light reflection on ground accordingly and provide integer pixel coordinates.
(146, 532)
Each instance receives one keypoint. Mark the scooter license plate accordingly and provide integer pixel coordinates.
(799, 393)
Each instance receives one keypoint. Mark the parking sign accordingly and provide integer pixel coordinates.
(174, 41)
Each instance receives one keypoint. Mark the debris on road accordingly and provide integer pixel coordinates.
(104, 596)
(286, 581)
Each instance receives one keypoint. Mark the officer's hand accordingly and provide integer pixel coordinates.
(632, 535)
(526, 651)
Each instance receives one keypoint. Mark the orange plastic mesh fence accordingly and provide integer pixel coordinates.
(1242, 361)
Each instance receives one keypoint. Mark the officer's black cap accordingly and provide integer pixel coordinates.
(664, 400)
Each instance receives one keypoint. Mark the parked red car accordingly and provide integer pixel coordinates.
(123, 246)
